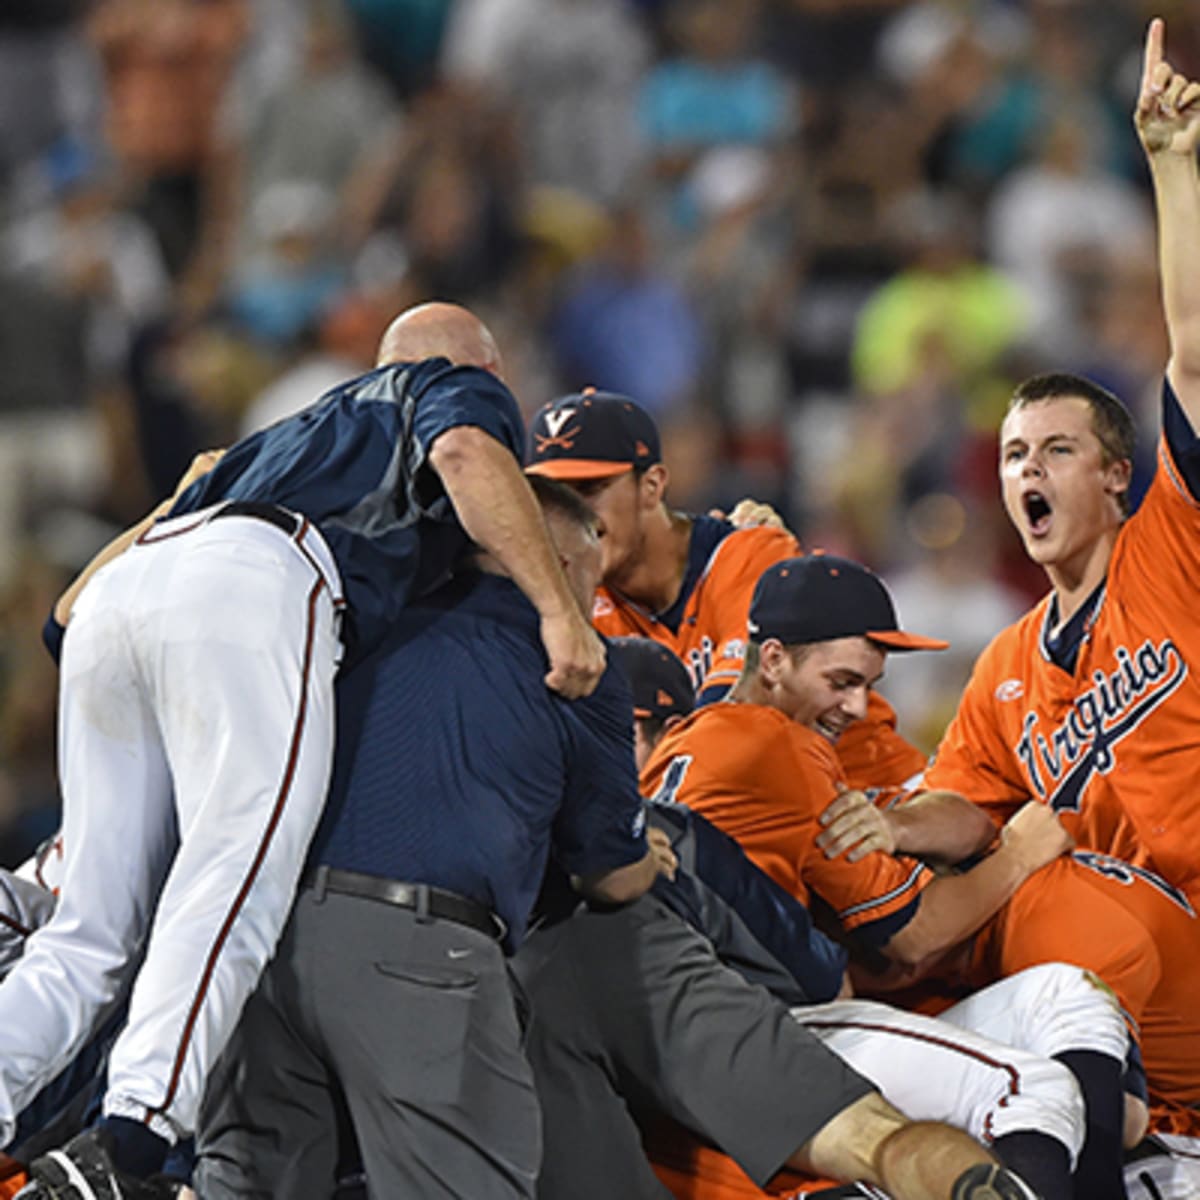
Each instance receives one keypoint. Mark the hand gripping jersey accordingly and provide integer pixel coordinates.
(1114, 745)
(764, 780)
(706, 628)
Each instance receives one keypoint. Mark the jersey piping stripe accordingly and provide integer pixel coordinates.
(260, 855)
(880, 901)
(15, 925)
(945, 1043)
(1168, 463)
(144, 538)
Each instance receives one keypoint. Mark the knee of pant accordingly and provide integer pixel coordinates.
(1070, 1008)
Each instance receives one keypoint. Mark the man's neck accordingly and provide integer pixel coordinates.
(655, 580)
(748, 689)
(1075, 580)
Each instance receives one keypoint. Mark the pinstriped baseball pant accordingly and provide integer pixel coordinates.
(195, 743)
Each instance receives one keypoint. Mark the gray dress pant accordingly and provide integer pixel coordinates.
(403, 1027)
(632, 1009)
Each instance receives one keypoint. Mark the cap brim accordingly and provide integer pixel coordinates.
(896, 639)
(577, 468)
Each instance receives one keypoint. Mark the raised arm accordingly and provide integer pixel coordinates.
(500, 514)
(1167, 118)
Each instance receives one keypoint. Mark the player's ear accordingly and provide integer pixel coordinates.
(1117, 476)
(772, 658)
(653, 484)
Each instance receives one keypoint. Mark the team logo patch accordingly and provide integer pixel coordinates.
(559, 435)
(601, 607)
(734, 648)
(1010, 689)
(557, 419)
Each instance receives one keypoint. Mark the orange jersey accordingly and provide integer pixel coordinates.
(711, 641)
(1137, 933)
(1115, 745)
(711, 634)
(765, 780)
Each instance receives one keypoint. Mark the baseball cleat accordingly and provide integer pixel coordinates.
(83, 1170)
(990, 1182)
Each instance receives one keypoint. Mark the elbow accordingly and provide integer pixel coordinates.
(979, 837)
(913, 944)
(457, 449)
(621, 885)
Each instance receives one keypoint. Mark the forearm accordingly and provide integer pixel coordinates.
(940, 825)
(954, 906)
(1177, 199)
(500, 513)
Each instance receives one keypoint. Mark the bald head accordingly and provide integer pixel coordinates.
(440, 331)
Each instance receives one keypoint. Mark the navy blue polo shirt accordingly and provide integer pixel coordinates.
(456, 766)
(356, 464)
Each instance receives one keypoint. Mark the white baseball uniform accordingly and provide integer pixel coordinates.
(196, 734)
(985, 1064)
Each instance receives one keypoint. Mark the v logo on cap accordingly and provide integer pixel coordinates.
(556, 419)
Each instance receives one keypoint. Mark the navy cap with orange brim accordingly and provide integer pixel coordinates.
(591, 435)
(661, 684)
(820, 598)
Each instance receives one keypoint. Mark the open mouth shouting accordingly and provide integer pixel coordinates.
(1038, 513)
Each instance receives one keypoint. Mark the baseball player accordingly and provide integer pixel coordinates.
(682, 580)
(762, 768)
(1089, 702)
(196, 729)
(388, 997)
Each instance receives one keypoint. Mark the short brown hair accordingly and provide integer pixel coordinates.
(1111, 420)
(556, 497)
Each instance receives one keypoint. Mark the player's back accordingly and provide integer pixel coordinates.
(726, 761)
(455, 764)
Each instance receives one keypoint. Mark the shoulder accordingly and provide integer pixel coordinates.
(1015, 643)
(737, 551)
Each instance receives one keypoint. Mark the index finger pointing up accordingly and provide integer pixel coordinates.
(1152, 55)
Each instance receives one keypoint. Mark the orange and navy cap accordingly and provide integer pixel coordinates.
(591, 435)
(661, 684)
(820, 597)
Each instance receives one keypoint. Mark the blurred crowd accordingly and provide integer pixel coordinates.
(817, 239)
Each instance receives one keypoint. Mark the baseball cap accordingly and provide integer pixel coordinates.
(821, 597)
(591, 435)
(661, 684)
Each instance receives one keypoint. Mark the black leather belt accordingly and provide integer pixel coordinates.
(420, 897)
(289, 522)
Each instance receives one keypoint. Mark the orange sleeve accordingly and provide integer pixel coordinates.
(879, 888)
(726, 593)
